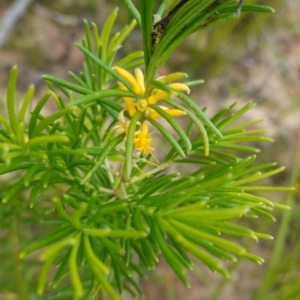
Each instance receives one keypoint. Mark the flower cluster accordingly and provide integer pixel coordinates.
(145, 97)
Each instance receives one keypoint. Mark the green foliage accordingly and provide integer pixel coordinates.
(119, 210)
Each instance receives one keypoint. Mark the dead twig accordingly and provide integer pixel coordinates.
(10, 17)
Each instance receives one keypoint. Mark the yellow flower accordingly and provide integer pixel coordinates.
(138, 87)
(142, 140)
(122, 125)
(142, 105)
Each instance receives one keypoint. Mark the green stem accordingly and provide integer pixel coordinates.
(15, 250)
(280, 243)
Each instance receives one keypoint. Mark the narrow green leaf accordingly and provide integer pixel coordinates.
(60, 210)
(129, 58)
(62, 231)
(199, 113)
(210, 261)
(111, 145)
(55, 138)
(185, 259)
(20, 137)
(116, 42)
(49, 120)
(78, 80)
(28, 98)
(162, 8)
(264, 236)
(44, 272)
(245, 197)
(106, 31)
(210, 214)
(49, 256)
(100, 96)
(264, 213)
(139, 252)
(222, 254)
(219, 115)
(146, 8)
(67, 151)
(234, 116)
(88, 35)
(224, 244)
(174, 189)
(4, 136)
(10, 96)
(246, 138)
(194, 82)
(110, 245)
(104, 66)
(130, 144)
(168, 136)
(118, 276)
(36, 168)
(135, 13)
(256, 177)
(267, 188)
(36, 112)
(74, 274)
(255, 258)
(99, 269)
(134, 64)
(61, 269)
(6, 123)
(11, 156)
(154, 186)
(246, 8)
(235, 147)
(92, 258)
(173, 260)
(5, 147)
(108, 208)
(71, 86)
(33, 193)
(114, 233)
(175, 126)
(136, 286)
(196, 122)
(224, 227)
(244, 171)
(13, 190)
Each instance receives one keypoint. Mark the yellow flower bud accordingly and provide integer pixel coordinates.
(122, 86)
(140, 78)
(159, 95)
(179, 87)
(130, 79)
(130, 106)
(152, 114)
(171, 77)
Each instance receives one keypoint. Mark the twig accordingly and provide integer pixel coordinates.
(10, 17)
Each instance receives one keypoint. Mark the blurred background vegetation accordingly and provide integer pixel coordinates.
(256, 57)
